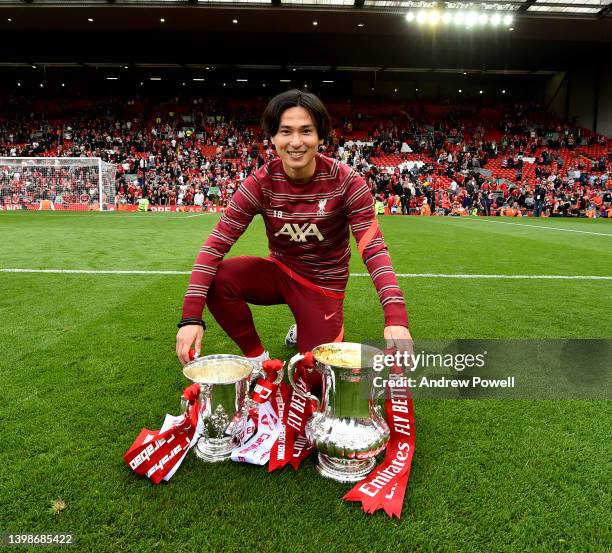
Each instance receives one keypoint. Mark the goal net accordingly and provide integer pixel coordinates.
(56, 183)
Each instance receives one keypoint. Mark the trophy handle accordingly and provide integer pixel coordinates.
(376, 403)
(290, 376)
(202, 399)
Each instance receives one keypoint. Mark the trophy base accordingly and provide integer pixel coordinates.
(212, 452)
(344, 470)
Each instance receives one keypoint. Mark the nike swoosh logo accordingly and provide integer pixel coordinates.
(328, 317)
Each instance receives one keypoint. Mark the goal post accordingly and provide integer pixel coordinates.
(57, 183)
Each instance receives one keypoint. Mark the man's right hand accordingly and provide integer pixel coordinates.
(186, 337)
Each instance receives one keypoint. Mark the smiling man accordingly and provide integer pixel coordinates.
(308, 202)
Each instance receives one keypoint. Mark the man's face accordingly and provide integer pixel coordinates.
(296, 143)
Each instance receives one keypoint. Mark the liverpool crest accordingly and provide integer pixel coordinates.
(322, 207)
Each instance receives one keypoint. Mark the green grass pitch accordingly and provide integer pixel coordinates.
(87, 360)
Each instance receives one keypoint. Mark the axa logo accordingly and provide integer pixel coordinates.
(299, 233)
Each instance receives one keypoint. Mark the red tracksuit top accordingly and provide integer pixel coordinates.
(308, 234)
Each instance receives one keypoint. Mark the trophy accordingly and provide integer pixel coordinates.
(348, 428)
(224, 387)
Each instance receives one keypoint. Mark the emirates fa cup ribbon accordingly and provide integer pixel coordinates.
(292, 446)
(385, 486)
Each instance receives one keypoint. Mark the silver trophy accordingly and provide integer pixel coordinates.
(224, 388)
(348, 428)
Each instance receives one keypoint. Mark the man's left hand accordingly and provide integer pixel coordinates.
(398, 337)
(399, 340)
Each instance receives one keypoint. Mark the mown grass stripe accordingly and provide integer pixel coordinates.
(399, 275)
(487, 220)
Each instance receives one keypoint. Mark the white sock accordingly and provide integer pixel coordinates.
(256, 362)
(260, 358)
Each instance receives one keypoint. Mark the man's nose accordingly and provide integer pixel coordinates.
(295, 139)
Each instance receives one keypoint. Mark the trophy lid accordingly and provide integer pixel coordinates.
(218, 369)
(346, 355)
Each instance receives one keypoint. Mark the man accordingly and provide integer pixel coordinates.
(308, 202)
(539, 197)
(143, 204)
(198, 199)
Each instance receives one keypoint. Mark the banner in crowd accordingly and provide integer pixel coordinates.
(48, 205)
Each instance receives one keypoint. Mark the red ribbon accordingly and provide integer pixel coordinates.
(280, 402)
(265, 387)
(271, 368)
(308, 362)
(263, 391)
(292, 446)
(191, 393)
(385, 486)
(154, 454)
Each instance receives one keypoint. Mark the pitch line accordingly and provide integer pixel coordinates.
(358, 275)
(468, 276)
(547, 228)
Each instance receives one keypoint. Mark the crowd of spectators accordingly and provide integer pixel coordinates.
(418, 159)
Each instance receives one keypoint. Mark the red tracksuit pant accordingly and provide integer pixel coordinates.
(243, 280)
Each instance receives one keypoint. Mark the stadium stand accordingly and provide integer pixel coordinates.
(418, 158)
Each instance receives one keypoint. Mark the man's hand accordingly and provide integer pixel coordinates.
(398, 337)
(186, 337)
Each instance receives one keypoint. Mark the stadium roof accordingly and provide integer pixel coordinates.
(566, 8)
(366, 34)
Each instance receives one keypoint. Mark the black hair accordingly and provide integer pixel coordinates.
(270, 120)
